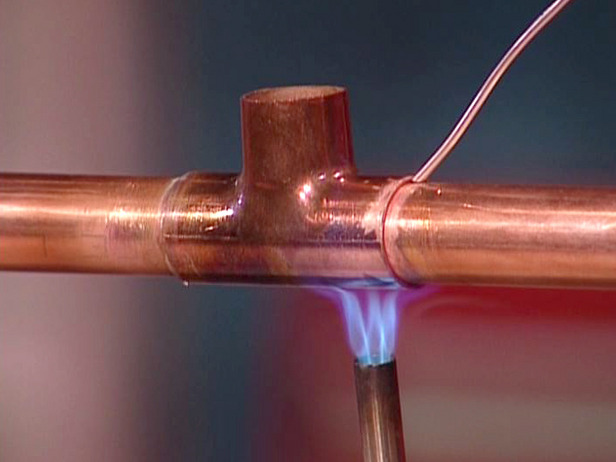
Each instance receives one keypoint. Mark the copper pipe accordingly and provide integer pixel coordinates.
(199, 227)
(298, 213)
(511, 235)
(380, 418)
(81, 224)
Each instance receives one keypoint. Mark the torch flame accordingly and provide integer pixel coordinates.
(371, 318)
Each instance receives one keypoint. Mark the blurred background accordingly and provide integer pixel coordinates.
(128, 368)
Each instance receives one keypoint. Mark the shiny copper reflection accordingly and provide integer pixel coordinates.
(296, 212)
(81, 224)
(299, 213)
(508, 235)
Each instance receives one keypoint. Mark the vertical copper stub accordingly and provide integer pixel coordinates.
(290, 133)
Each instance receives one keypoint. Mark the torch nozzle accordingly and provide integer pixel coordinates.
(380, 419)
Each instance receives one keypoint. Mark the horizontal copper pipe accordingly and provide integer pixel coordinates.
(81, 224)
(505, 235)
(195, 227)
(199, 227)
(298, 213)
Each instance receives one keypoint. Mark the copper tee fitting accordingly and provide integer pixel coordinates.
(296, 213)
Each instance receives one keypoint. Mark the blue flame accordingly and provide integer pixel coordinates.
(371, 318)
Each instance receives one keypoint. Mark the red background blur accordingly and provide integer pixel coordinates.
(485, 375)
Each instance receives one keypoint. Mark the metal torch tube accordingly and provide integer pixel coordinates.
(380, 420)
(298, 212)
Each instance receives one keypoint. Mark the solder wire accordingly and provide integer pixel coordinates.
(486, 89)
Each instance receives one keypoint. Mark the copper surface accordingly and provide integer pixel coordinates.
(507, 235)
(80, 224)
(298, 213)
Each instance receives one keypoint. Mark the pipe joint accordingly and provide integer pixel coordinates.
(297, 210)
